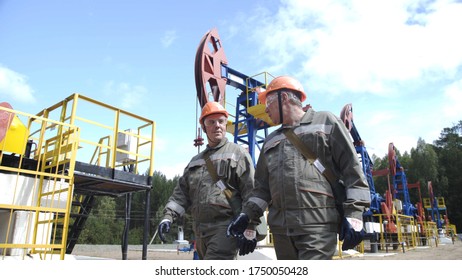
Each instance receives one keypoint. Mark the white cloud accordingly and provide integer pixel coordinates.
(374, 129)
(168, 38)
(129, 95)
(398, 61)
(363, 46)
(14, 86)
(453, 96)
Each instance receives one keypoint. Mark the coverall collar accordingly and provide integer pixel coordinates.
(306, 119)
(221, 144)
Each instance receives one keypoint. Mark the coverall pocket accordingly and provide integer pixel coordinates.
(312, 197)
(319, 207)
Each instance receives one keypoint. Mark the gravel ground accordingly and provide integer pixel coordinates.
(444, 251)
(134, 252)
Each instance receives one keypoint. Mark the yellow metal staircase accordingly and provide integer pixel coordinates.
(48, 187)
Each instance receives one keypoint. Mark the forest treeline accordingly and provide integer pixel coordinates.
(439, 163)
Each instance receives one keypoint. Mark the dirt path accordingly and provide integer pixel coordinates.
(444, 251)
(154, 252)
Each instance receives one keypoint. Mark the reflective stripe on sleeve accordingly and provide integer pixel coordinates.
(175, 207)
(313, 128)
(259, 202)
(359, 194)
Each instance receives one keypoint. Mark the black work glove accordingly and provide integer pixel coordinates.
(246, 246)
(238, 225)
(350, 236)
(164, 226)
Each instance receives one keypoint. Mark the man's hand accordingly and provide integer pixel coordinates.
(246, 238)
(237, 226)
(246, 246)
(352, 233)
(164, 226)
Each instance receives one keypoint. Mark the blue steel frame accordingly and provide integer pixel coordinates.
(367, 165)
(401, 191)
(435, 213)
(245, 121)
(246, 127)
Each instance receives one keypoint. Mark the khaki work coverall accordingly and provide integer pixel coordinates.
(299, 198)
(197, 193)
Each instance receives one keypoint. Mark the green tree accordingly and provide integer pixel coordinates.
(106, 222)
(103, 226)
(424, 165)
(449, 185)
(161, 192)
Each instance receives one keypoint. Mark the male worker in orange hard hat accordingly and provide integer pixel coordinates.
(297, 190)
(212, 188)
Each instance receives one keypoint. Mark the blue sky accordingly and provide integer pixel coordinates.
(398, 62)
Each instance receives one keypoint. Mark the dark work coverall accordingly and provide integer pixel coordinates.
(302, 214)
(211, 213)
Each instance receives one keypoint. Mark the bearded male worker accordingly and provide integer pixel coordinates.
(212, 188)
(303, 216)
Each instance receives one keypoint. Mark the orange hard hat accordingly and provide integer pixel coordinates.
(210, 108)
(283, 82)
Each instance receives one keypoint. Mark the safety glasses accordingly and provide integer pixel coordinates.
(270, 99)
(211, 122)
